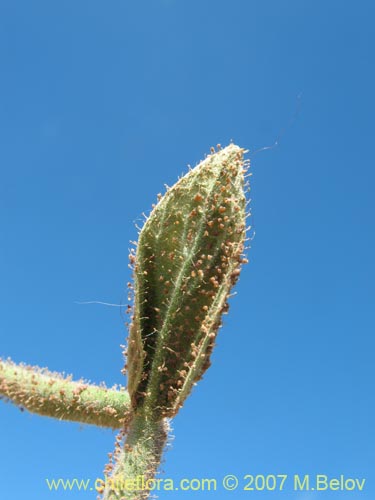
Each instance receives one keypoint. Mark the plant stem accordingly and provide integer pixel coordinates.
(137, 463)
(52, 395)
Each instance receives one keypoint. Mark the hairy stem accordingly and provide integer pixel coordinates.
(53, 395)
(137, 463)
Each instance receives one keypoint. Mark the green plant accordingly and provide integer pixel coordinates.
(187, 259)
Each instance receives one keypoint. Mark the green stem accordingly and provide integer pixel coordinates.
(52, 395)
(137, 463)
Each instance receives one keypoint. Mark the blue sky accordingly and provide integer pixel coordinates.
(101, 103)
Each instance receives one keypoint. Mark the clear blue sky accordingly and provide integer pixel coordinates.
(101, 103)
